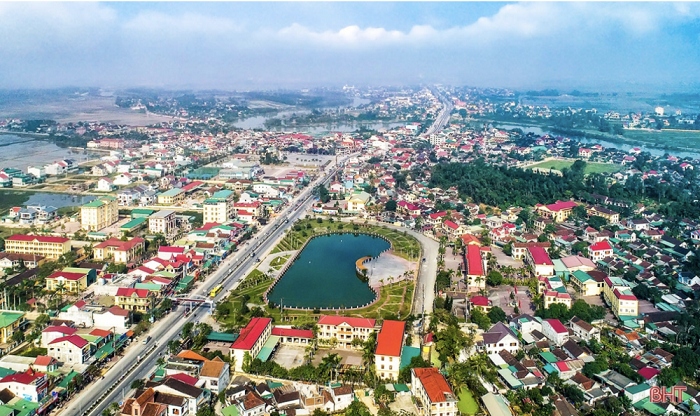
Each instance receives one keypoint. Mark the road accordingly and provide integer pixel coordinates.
(444, 115)
(229, 272)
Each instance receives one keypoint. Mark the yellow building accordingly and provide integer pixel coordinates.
(358, 201)
(138, 300)
(100, 213)
(558, 211)
(71, 280)
(120, 251)
(171, 197)
(219, 208)
(9, 323)
(620, 298)
(612, 216)
(47, 246)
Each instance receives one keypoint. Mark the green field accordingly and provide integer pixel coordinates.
(666, 138)
(467, 405)
(591, 167)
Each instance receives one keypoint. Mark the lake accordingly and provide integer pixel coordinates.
(21, 151)
(323, 275)
(9, 199)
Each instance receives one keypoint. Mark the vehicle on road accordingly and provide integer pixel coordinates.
(145, 340)
(215, 290)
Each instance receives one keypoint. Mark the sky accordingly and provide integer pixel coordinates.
(260, 45)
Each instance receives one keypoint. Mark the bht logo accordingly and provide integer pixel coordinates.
(674, 395)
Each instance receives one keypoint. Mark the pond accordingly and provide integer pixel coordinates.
(323, 275)
(9, 199)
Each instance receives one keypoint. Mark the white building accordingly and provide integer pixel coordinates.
(433, 392)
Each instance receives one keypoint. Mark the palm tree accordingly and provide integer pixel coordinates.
(329, 363)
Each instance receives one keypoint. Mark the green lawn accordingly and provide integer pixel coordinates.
(591, 167)
(467, 405)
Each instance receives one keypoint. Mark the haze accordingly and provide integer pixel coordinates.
(272, 45)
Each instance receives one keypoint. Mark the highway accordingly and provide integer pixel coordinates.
(229, 272)
(444, 115)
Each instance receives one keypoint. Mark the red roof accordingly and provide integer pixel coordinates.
(185, 378)
(648, 372)
(622, 296)
(251, 333)
(39, 238)
(562, 366)
(66, 275)
(65, 330)
(479, 301)
(600, 246)
(121, 245)
(353, 322)
(434, 383)
(26, 378)
(560, 205)
(390, 338)
(44, 360)
(128, 292)
(119, 311)
(557, 326)
(451, 224)
(540, 256)
(436, 215)
(290, 332)
(475, 266)
(100, 332)
(73, 339)
(171, 249)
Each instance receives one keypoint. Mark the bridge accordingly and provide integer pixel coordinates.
(191, 299)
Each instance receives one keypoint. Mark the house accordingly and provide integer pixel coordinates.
(145, 404)
(194, 396)
(120, 251)
(338, 398)
(600, 250)
(538, 258)
(47, 246)
(71, 279)
(105, 185)
(171, 197)
(114, 317)
(481, 303)
(163, 222)
(585, 284)
(498, 338)
(250, 341)
(433, 392)
(358, 201)
(342, 331)
(474, 269)
(387, 355)
(618, 295)
(29, 385)
(71, 349)
(554, 296)
(219, 207)
(123, 179)
(215, 374)
(583, 329)
(555, 331)
(250, 405)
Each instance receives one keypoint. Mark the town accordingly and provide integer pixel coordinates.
(428, 262)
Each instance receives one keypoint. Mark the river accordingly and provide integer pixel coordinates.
(22, 151)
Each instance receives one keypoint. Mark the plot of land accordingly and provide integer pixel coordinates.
(591, 167)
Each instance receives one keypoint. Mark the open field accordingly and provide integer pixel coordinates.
(665, 138)
(591, 167)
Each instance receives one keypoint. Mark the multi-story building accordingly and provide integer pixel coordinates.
(600, 250)
(71, 279)
(618, 295)
(10, 322)
(474, 269)
(250, 341)
(219, 207)
(120, 251)
(434, 393)
(342, 330)
(612, 216)
(540, 261)
(387, 356)
(71, 349)
(163, 222)
(47, 246)
(30, 385)
(555, 331)
(138, 300)
(99, 213)
(171, 197)
(558, 211)
(498, 338)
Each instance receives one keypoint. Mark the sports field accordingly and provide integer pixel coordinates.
(591, 167)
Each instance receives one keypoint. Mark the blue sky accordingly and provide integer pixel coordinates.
(590, 45)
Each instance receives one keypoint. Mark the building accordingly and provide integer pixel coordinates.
(387, 355)
(538, 258)
(600, 250)
(618, 295)
(120, 251)
(554, 296)
(558, 211)
(171, 197)
(612, 216)
(10, 322)
(342, 330)
(520, 249)
(250, 341)
(137, 300)
(219, 207)
(498, 338)
(434, 393)
(357, 201)
(49, 247)
(71, 349)
(163, 222)
(474, 269)
(215, 374)
(99, 213)
(71, 280)
(555, 331)
(583, 329)
(29, 385)
(585, 284)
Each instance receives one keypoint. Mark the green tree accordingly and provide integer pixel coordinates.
(480, 319)
(494, 278)
(450, 342)
(390, 205)
(496, 314)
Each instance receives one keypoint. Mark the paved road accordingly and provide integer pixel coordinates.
(444, 115)
(229, 272)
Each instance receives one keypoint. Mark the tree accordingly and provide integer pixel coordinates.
(494, 278)
(206, 410)
(416, 362)
(390, 205)
(450, 342)
(669, 377)
(187, 330)
(496, 314)
(480, 319)
(137, 384)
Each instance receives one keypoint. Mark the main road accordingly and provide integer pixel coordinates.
(443, 116)
(143, 357)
